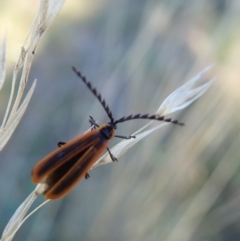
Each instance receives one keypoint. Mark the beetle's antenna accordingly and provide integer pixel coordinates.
(94, 91)
(149, 117)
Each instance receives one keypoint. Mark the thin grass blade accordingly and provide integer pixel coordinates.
(3, 48)
(12, 123)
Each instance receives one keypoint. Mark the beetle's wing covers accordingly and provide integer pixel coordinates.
(63, 154)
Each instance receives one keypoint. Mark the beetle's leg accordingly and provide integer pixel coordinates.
(87, 176)
(114, 159)
(125, 137)
(60, 143)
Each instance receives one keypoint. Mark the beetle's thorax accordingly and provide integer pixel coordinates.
(107, 131)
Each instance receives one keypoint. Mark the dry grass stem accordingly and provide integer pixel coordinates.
(3, 61)
(18, 218)
(178, 100)
(47, 12)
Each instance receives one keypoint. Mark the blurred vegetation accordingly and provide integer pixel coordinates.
(180, 183)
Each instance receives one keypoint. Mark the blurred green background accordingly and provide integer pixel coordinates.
(178, 184)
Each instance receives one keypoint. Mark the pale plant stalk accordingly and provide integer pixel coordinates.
(47, 11)
(2, 62)
(178, 100)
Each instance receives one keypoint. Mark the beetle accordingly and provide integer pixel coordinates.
(63, 168)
